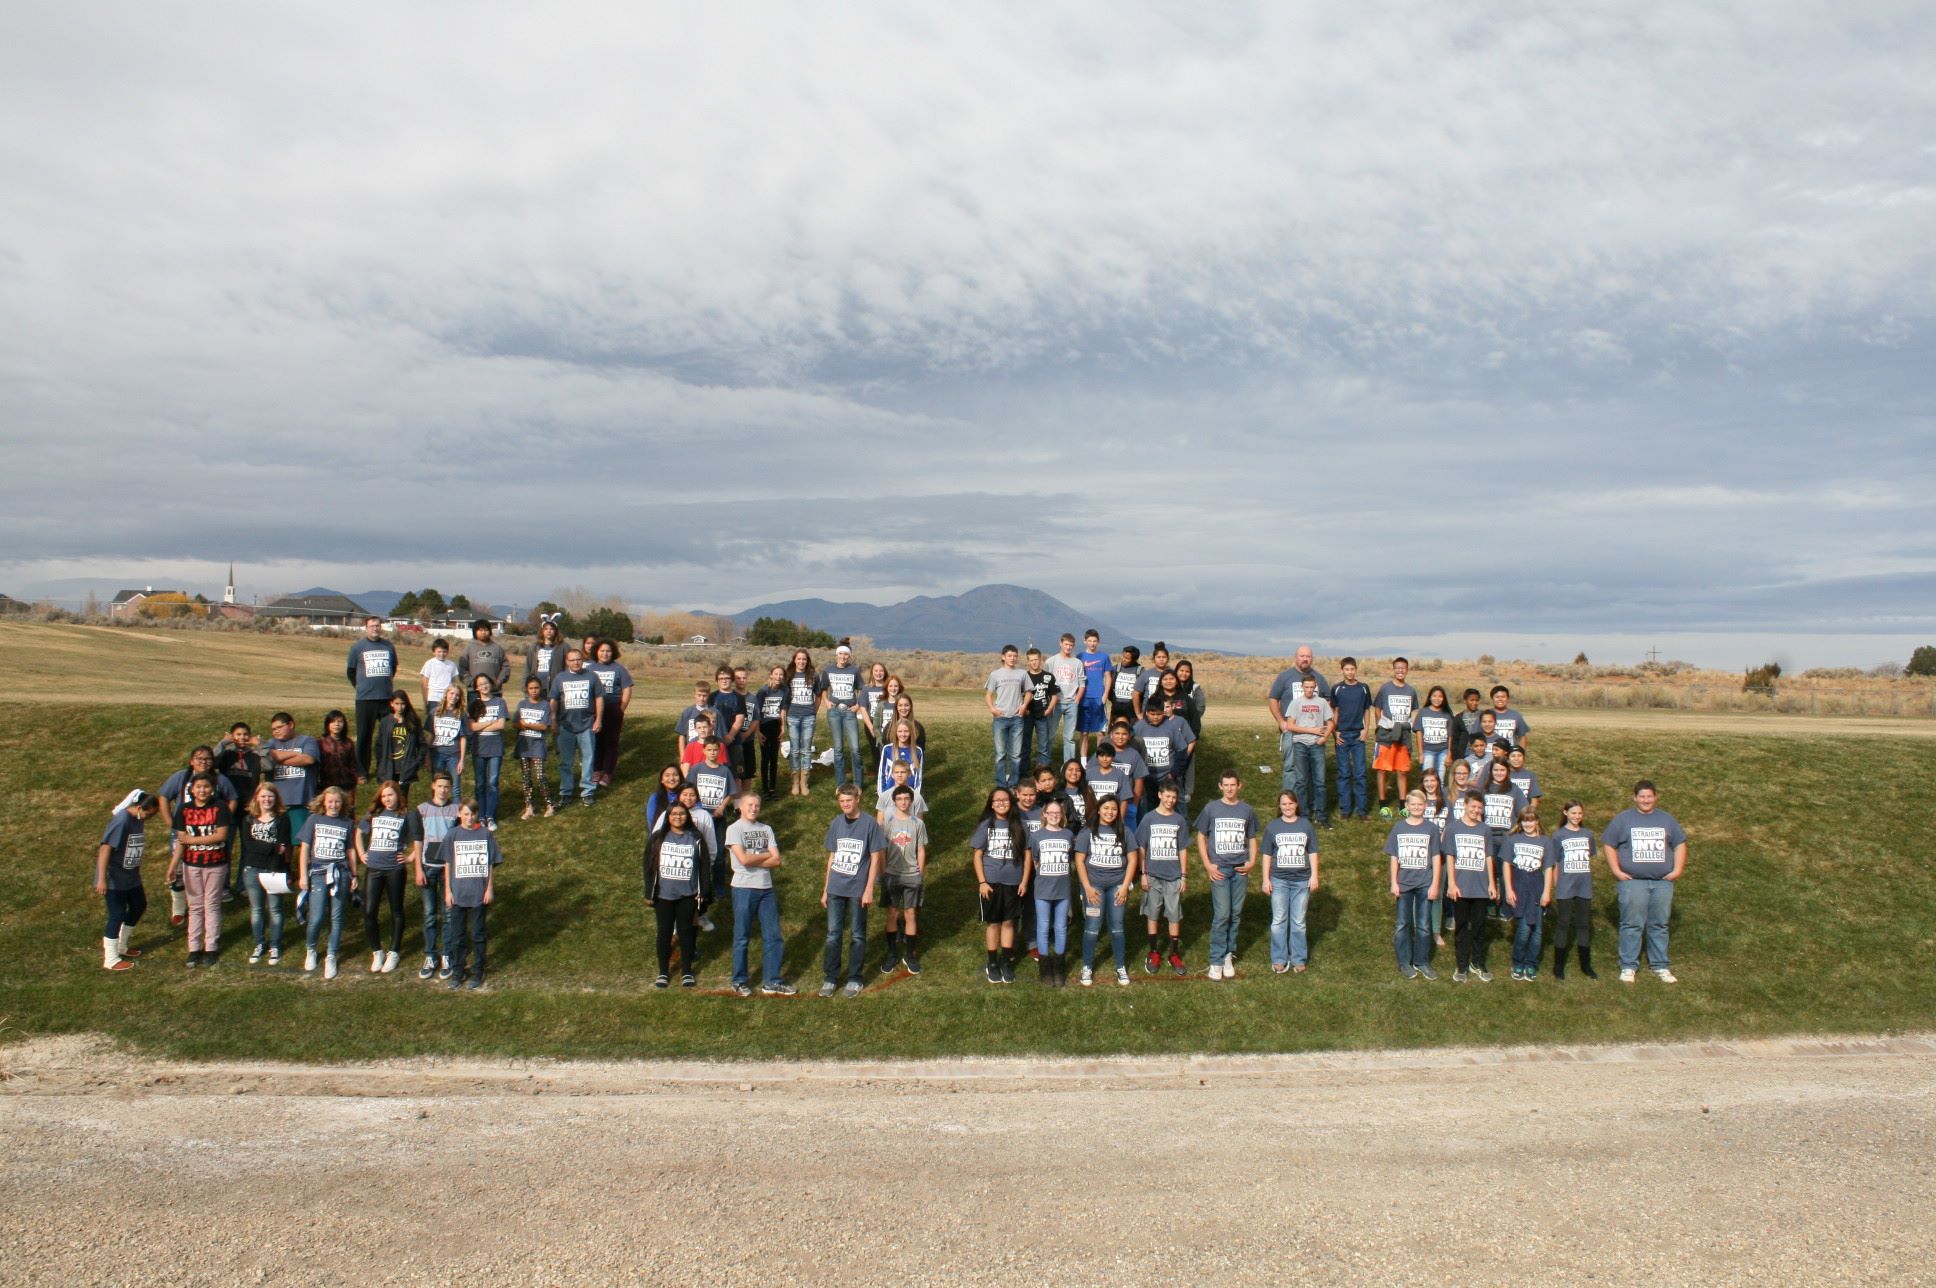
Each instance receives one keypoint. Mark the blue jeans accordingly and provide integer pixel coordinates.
(800, 738)
(575, 754)
(843, 731)
(1064, 722)
(484, 772)
(323, 901)
(846, 917)
(1645, 906)
(1094, 917)
(1434, 761)
(265, 911)
(763, 906)
(1038, 742)
(1412, 929)
(1226, 911)
(445, 758)
(1008, 750)
(1304, 776)
(436, 929)
(1525, 948)
(1289, 902)
(1352, 798)
(1051, 926)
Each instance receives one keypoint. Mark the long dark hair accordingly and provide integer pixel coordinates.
(792, 670)
(1017, 830)
(1445, 701)
(410, 720)
(1080, 788)
(1120, 827)
(333, 716)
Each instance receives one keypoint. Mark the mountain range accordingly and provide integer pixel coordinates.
(976, 621)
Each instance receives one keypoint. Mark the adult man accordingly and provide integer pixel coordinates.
(484, 656)
(1069, 672)
(1397, 704)
(372, 668)
(845, 705)
(1092, 716)
(1310, 723)
(1286, 691)
(577, 711)
(1006, 694)
(1646, 850)
(1040, 715)
(1351, 702)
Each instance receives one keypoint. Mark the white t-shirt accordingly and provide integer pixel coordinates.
(754, 838)
(440, 673)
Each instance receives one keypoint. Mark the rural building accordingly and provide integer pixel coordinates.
(316, 610)
(128, 602)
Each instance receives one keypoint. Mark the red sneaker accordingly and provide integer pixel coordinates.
(1152, 962)
(1035, 954)
(1176, 964)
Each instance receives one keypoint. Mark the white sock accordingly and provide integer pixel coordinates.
(110, 951)
(177, 903)
(121, 940)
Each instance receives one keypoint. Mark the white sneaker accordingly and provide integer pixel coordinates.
(705, 922)
(1230, 965)
(275, 956)
(255, 955)
(1665, 977)
(309, 960)
(1626, 977)
(329, 968)
(376, 963)
(390, 962)
(1122, 976)
(1216, 970)
(1088, 977)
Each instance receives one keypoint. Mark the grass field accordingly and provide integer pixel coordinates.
(1806, 906)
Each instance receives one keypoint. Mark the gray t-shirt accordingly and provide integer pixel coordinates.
(1068, 675)
(1009, 684)
(1289, 686)
(1575, 880)
(1000, 863)
(715, 783)
(841, 684)
(1230, 829)
(1644, 844)
(1397, 706)
(1165, 746)
(469, 855)
(1163, 839)
(680, 854)
(1510, 725)
(1434, 729)
(905, 837)
(1107, 856)
(575, 692)
(754, 838)
(1053, 849)
(1469, 848)
(1412, 845)
(1288, 848)
(852, 843)
(1310, 712)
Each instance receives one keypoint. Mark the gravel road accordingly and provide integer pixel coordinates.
(1806, 1160)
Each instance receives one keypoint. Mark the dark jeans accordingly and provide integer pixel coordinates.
(368, 712)
(846, 918)
(605, 755)
(124, 908)
(1411, 929)
(383, 886)
(1469, 943)
(485, 771)
(677, 915)
(1525, 943)
(743, 758)
(1572, 923)
(436, 926)
(770, 755)
(1351, 779)
(465, 931)
(1038, 743)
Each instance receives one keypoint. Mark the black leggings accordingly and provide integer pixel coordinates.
(368, 712)
(1469, 942)
(383, 885)
(770, 755)
(1572, 923)
(677, 914)
(124, 909)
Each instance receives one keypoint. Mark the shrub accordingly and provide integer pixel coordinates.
(1922, 661)
(1762, 679)
(1579, 659)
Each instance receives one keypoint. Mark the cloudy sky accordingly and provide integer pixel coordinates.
(1234, 324)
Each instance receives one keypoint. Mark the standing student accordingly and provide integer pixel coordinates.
(1050, 874)
(337, 765)
(323, 848)
(533, 717)
(1412, 845)
(201, 861)
(371, 671)
(1504, 803)
(755, 855)
(1351, 703)
(904, 873)
(853, 843)
(1310, 724)
(239, 765)
(769, 713)
(400, 749)
(615, 687)
(841, 685)
(1438, 809)
(1523, 778)
(1227, 844)
(292, 766)
(1069, 675)
(875, 708)
(1162, 841)
(488, 717)
(1040, 713)
(437, 673)
(997, 851)
(729, 719)
(1468, 722)
(1006, 696)
(435, 819)
(1106, 866)
(173, 795)
(1467, 846)
(1529, 864)
(448, 730)
(1150, 679)
(671, 779)
(1074, 789)
(1435, 726)
(1573, 891)
(387, 842)
(1187, 701)
(897, 779)
(1506, 722)
(685, 729)
(264, 848)
(1123, 680)
(1107, 780)
(1165, 743)
(742, 757)
(1290, 878)
(547, 657)
(1142, 789)
(804, 695)
(577, 710)
(483, 655)
(716, 786)
(898, 749)
(904, 710)
(470, 865)
(1092, 713)
(117, 876)
(1646, 851)
(678, 881)
(1397, 708)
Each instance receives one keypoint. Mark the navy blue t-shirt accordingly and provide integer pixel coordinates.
(1350, 702)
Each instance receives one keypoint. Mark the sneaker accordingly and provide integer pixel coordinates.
(1626, 977)
(1122, 976)
(194, 960)
(1426, 972)
(455, 984)
(255, 954)
(1088, 977)
(663, 981)
(688, 980)
(1384, 811)
(376, 963)
(228, 894)
(1008, 972)
(490, 825)
(1409, 972)
(742, 990)
(1230, 965)
(1035, 954)
(828, 988)
(890, 963)
(1176, 964)
(391, 961)
(852, 989)
(1481, 974)
(275, 956)
(1216, 970)
(1152, 962)
(443, 968)
(992, 973)
(428, 969)
(1665, 977)
(705, 922)
(1458, 977)
(781, 989)
(913, 963)
(309, 960)
(329, 968)
(475, 983)
(1522, 977)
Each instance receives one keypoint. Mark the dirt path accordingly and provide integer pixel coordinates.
(1808, 1160)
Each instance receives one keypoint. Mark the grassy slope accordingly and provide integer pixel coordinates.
(1805, 909)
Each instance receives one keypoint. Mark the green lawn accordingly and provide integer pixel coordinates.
(1806, 908)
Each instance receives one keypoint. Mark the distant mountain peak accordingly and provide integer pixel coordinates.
(979, 620)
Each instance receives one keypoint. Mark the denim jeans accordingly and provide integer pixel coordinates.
(323, 901)
(843, 731)
(1351, 779)
(1645, 906)
(1064, 724)
(1288, 943)
(484, 770)
(1038, 743)
(1412, 929)
(763, 906)
(1008, 750)
(1226, 911)
(265, 911)
(445, 758)
(1095, 916)
(436, 927)
(846, 917)
(1051, 926)
(800, 735)
(1434, 761)
(1305, 778)
(575, 754)
(1525, 946)
(465, 934)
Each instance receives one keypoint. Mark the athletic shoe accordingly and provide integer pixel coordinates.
(376, 963)
(828, 988)
(1008, 972)
(1088, 977)
(1483, 975)
(1176, 964)
(443, 967)
(1384, 811)
(1522, 977)
(1152, 962)
(852, 989)
(309, 960)
(663, 981)
(194, 960)
(1230, 965)
(255, 954)
(913, 963)
(474, 983)
(428, 969)
(1122, 976)
(1035, 954)
(1458, 977)
(782, 989)
(1426, 972)
(742, 990)
(490, 825)
(454, 984)
(1626, 977)
(228, 894)
(1216, 970)
(890, 963)
(992, 973)
(1665, 977)
(329, 968)
(705, 922)
(1409, 972)
(688, 980)
(390, 962)
(275, 956)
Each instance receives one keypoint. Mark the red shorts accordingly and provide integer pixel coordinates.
(1393, 758)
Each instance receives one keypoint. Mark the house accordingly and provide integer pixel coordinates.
(316, 610)
(127, 603)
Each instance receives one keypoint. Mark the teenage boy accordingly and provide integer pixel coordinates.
(755, 857)
(1141, 792)
(1106, 778)
(853, 843)
(1412, 845)
(905, 875)
(1069, 673)
(1006, 694)
(292, 759)
(1479, 749)
(1092, 716)
(435, 818)
(372, 669)
(729, 717)
(1523, 778)
(695, 749)
(1227, 844)
(1310, 722)
(1468, 851)
(1165, 742)
(484, 656)
(846, 708)
(470, 859)
(899, 776)
(1351, 703)
(1397, 703)
(717, 786)
(1506, 722)
(1467, 727)
(741, 743)
(685, 729)
(1163, 838)
(438, 673)
(1646, 850)
(577, 709)
(1041, 713)
(1122, 686)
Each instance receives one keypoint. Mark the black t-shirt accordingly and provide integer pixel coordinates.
(265, 842)
(1042, 689)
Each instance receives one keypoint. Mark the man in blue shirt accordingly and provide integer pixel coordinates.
(1351, 703)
